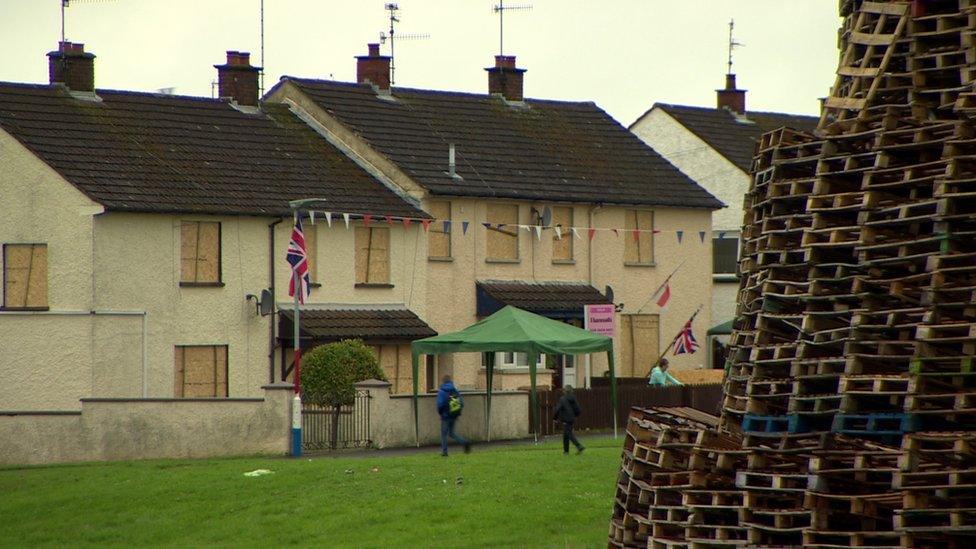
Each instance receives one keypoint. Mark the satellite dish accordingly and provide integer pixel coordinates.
(609, 293)
(266, 305)
(546, 216)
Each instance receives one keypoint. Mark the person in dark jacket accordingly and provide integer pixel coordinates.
(567, 410)
(449, 416)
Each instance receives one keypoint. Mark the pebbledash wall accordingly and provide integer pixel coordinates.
(717, 174)
(600, 262)
(121, 429)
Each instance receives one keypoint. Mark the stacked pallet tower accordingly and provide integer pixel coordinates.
(849, 415)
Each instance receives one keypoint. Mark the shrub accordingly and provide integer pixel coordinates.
(330, 372)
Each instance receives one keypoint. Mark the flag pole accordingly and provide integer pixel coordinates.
(296, 405)
(663, 284)
(668, 348)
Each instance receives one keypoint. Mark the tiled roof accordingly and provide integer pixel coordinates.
(733, 137)
(157, 153)
(536, 150)
(554, 299)
(324, 325)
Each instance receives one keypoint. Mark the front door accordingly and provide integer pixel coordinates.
(569, 370)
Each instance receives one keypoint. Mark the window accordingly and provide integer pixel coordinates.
(25, 276)
(505, 361)
(725, 254)
(503, 242)
(439, 236)
(200, 371)
(372, 256)
(562, 245)
(200, 253)
(640, 250)
(639, 344)
(311, 233)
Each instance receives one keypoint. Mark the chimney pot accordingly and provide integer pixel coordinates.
(71, 66)
(373, 68)
(237, 79)
(505, 78)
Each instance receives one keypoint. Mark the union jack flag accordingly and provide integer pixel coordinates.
(686, 341)
(298, 258)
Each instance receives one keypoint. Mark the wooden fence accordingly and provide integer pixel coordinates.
(596, 408)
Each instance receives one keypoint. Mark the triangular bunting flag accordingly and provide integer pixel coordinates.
(389, 220)
(366, 219)
(328, 218)
(636, 235)
(425, 223)
(655, 231)
(576, 233)
(447, 225)
(615, 232)
(311, 216)
(721, 235)
(680, 234)
(345, 217)
(592, 233)
(464, 227)
(406, 222)
(526, 227)
(559, 232)
(701, 235)
(487, 225)
(538, 232)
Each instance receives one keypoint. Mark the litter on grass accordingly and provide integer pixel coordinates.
(258, 472)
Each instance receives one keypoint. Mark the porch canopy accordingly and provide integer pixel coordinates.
(514, 330)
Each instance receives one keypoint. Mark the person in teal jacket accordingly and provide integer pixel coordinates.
(660, 375)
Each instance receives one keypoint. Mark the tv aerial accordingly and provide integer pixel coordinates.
(500, 9)
(64, 7)
(394, 10)
(732, 44)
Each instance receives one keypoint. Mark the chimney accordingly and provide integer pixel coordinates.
(237, 79)
(731, 97)
(373, 68)
(71, 66)
(505, 79)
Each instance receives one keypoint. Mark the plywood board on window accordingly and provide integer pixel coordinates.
(189, 233)
(640, 250)
(639, 344)
(25, 276)
(562, 245)
(199, 251)
(439, 240)
(502, 243)
(372, 255)
(200, 371)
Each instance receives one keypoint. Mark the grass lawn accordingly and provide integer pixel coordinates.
(512, 496)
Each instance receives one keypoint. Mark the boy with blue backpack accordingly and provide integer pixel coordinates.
(449, 406)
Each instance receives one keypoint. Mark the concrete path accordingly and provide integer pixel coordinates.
(454, 448)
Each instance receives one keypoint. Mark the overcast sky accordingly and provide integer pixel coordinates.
(622, 54)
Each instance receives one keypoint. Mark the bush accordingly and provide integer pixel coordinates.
(330, 372)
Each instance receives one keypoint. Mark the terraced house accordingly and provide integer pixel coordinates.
(535, 204)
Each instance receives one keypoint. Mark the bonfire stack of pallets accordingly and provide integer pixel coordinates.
(849, 415)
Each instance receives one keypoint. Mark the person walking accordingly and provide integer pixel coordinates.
(659, 375)
(449, 406)
(566, 411)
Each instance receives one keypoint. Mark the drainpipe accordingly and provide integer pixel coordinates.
(271, 273)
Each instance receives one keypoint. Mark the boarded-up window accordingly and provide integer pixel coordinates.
(25, 276)
(639, 344)
(372, 255)
(397, 364)
(639, 250)
(439, 233)
(311, 234)
(200, 252)
(200, 371)
(502, 243)
(562, 244)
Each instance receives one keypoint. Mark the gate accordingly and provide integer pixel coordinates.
(353, 426)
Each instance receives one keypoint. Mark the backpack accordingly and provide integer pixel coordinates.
(454, 405)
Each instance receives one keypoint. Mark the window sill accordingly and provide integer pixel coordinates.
(725, 278)
(28, 309)
(441, 259)
(518, 370)
(503, 261)
(372, 285)
(564, 262)
(631, 264)
(201, 284)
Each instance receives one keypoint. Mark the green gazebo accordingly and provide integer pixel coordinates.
(514, 330)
